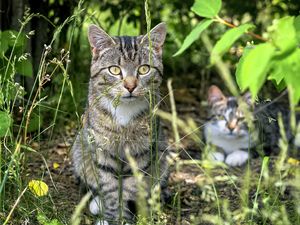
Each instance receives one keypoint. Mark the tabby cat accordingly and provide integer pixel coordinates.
(125, 77)
(228, 130)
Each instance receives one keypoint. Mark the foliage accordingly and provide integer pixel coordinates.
(14, 44)
(5, 123)
(194, 35)
(277, 59)
(207, 9)
(227, 40)
(43, 220)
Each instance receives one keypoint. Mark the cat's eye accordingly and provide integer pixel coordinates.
(115, 70)
(144, 69)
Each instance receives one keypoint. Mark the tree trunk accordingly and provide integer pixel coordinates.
(5, 14)
(18, 7)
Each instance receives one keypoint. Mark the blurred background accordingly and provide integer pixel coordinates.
(62, 25)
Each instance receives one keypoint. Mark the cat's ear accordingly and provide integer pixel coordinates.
(99, 39)
(157, 36)
(214, 95)
(248, 98)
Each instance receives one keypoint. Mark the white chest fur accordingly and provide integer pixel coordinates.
(124, 112)
(215, 135)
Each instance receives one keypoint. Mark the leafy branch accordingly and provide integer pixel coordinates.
(276, 59)
(222, 21)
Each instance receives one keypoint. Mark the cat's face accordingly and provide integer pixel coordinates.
(227, 117)
(121, 66)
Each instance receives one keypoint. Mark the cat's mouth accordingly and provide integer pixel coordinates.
(129, 97)
(235, 134)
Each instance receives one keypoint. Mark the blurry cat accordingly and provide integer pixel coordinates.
(228, 130)
(123, 72)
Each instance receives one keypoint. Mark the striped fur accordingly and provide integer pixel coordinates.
(117, 118)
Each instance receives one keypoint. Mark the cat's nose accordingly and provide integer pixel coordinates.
(231, 125)
(130, 89)
(130, 83)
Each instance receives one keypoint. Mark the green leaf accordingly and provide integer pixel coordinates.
(279, 86)
(194, 35)
(297, 27)
(207, 8)
(5, 123)
(227, 41)
(3, 45)
(43, 220)
(284, 35)
(276, 73)
(254, 68)
(24, 67)
(238, 76)
(12, 38)
(291, 68)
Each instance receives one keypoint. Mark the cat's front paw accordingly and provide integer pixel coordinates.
(237, 158)
(104, 222)
(216, 156)
(101, 222)
(95, 206)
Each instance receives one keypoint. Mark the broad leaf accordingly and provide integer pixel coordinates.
(5, 123)
(284, 35)
(277, 72)
(291, 66)
(43, 220)
(3, 45)
(24, 67)
(254, 68)
(227, 41)
(238, 76)
(194, 35)
(279, 86)
(297, 27)
(12, 38)
(207, 8)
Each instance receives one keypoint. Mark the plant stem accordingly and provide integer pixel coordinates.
(14, 206)
(233, 26)
(177, 141)
(255, 203)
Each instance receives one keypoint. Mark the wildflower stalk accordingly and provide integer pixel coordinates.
(177, 142)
